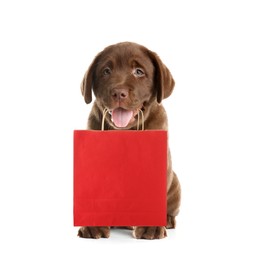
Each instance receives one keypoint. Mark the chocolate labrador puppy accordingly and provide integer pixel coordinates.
(126, 78)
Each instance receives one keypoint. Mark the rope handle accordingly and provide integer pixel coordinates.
(105, 111)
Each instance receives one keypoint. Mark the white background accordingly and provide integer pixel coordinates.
(213, 51)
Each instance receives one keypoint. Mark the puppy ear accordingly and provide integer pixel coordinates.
(164, 82)
(88, 82)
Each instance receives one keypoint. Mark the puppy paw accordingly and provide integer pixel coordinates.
(94, 232)
(171, 223)
(149, 232)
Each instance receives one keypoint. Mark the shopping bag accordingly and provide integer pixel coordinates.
(120, 178)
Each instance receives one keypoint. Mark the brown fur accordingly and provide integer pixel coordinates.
(132, 77)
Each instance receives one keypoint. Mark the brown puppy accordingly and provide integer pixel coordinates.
(125, 78)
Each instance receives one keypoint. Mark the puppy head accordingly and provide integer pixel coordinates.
(125, 78)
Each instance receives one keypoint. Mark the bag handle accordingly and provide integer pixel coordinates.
(105, 111)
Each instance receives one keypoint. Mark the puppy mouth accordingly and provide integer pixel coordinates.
(122, 117)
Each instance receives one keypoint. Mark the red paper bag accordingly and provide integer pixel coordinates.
(120, 178)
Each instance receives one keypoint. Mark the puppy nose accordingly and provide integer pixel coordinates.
(119, 93)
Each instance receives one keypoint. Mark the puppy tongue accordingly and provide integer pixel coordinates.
(121, 117)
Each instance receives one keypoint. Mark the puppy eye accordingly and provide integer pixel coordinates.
(107, 71)
(138, 72)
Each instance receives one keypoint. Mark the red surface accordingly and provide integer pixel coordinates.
(120, 178)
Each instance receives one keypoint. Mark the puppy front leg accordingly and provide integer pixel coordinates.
(149, 232)
(94, 232)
